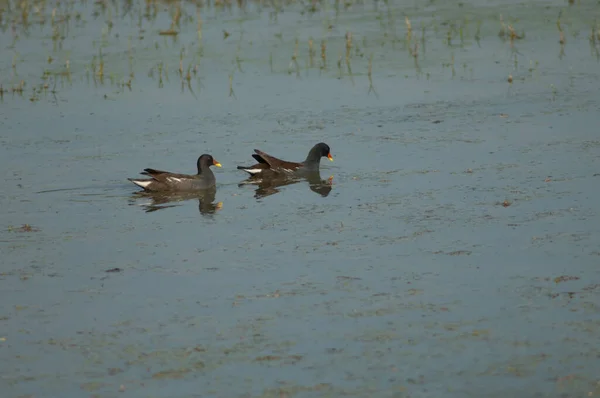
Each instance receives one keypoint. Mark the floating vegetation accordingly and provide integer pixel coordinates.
(168, 32)
(175, 37)
(23, 228)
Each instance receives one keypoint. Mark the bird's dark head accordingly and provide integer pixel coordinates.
(324, 149)
(206, 160)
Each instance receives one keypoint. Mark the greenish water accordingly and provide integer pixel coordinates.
(455, 252)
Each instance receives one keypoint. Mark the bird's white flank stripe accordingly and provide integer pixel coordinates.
(142, 183)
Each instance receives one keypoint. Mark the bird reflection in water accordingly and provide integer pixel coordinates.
(266, 186)
(163, 200)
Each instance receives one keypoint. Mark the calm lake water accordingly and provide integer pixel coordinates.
(455, 252)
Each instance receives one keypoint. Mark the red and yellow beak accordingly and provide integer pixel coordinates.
(330, 157)
(216, 163)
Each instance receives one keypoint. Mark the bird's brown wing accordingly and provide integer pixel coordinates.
(275, 163)
(153, 172)
(163, 176)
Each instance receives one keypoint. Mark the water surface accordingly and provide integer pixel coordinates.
(454, 254)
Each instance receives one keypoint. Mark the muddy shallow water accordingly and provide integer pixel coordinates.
(455, 253)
